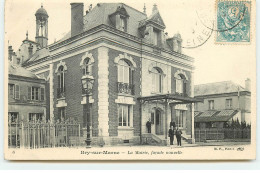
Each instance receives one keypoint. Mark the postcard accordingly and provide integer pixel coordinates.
(130, 80)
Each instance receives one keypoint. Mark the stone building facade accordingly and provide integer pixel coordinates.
(139, 73)
(26, 95)
(223, 101)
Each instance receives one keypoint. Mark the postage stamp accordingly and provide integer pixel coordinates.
(233, 21)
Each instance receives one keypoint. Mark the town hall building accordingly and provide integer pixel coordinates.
(139, 74)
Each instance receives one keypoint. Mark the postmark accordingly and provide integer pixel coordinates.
(233, 22)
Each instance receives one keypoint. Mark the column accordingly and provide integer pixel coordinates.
(103, 94)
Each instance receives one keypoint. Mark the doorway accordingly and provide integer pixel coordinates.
(158, 122)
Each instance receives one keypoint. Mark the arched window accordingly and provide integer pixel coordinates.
(180, 84)
(87, 67)
(61, 82)
(125, 74)
(157, 80)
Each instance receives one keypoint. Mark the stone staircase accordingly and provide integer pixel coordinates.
(152, 139)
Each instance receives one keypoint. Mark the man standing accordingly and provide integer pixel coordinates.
(178, 136)
(148, 125)
(171, 135)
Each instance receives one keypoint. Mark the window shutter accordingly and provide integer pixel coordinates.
(59, 82)
(17, 92)
(42, 94)
(173, 85)
(29, 93)
(184, 87)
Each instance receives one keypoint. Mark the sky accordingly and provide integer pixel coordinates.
(213, 63)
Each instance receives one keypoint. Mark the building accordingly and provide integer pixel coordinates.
(139, 73)
(26, 95)
(223, 101)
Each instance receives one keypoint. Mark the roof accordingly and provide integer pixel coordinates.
(20, 71)
(41, 11)
(217, 88)
(215, 115)
(39, 54)
(100, 15)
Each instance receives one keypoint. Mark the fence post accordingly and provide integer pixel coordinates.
(79, 136)
(66, 125)
(54, 138)
(16, 131)
(22, 136)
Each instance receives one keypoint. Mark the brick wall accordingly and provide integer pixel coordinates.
(113, 94)
(73, 88)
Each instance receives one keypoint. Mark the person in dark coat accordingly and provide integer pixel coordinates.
(172, 123)
(148, 125)
(171, 135)
(178, 136)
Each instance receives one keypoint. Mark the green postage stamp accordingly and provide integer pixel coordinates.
(233, 21)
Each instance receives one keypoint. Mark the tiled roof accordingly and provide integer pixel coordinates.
(218, 116)
(20, 71)
(217, 88)
(100, 15)
(39, 54)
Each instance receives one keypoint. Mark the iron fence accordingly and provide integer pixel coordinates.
(41, 134)
(202, 135)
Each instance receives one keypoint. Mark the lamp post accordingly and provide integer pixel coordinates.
(87, 85)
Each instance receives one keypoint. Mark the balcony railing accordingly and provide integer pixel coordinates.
(125, 88)
(61, 92)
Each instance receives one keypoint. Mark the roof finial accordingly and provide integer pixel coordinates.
(155, 8)
(41, 5)
(27, 35)
(144, 9)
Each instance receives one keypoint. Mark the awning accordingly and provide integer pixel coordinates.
(215, 116)
(179, 99)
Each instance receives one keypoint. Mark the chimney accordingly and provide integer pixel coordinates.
(76, 18)
(10, 53)
(248, 84)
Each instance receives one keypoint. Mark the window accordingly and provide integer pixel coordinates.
(13, 117)
(228, 103)
(180, 84)
(61, 82)
(211, 104)
(180, 118)
(124, 112)
(35, 93)
(122, 24)
(35, 117)
(157, 80)
(156, 37)
(87, 67)
(11, 90)
(14, 91)
(124, 72)
(42, 94)
(61, 114)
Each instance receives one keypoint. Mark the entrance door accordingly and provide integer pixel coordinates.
(158, 124)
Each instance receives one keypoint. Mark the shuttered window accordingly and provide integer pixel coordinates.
(42, 94)
(17, 92)
(29, 97)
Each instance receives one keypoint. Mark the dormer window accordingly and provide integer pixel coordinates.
(156, 37)
(119, 18)
(122, 24)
